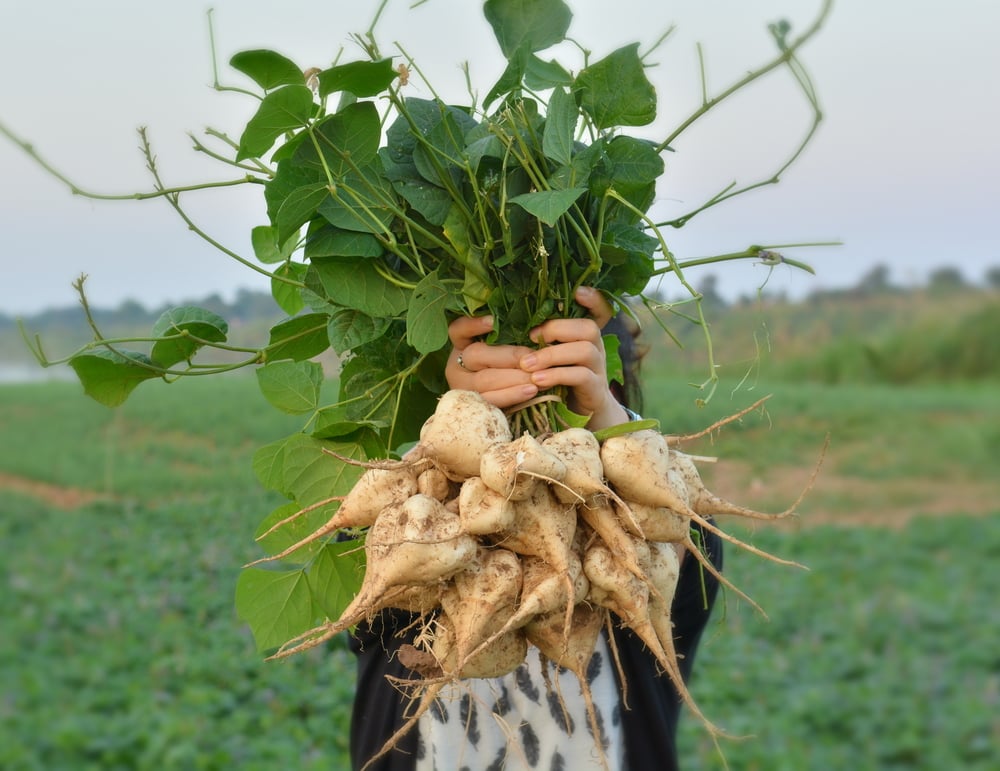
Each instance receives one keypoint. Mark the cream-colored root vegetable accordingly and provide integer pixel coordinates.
(514, 468)
(482, 510)
(416, 542)
(378, 488)
(638, 466)
(462, 428)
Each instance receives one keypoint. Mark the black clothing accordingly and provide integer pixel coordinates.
(649, 718)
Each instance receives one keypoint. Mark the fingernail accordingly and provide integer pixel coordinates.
(488, 322)
(529, 361)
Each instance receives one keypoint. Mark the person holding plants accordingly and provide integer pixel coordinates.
(527, 719)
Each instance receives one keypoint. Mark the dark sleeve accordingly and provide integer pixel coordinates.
(653, 707)
(378, 705)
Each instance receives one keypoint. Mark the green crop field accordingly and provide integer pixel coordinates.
(123, 534)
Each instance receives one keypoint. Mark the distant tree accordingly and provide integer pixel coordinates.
(875, 281)
(131, 312)
(946, 279)
(993, 277)
(709, 289)
(252, 304)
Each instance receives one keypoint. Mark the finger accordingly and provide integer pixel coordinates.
(575, 377)
(465, 329)
(568, 330)
(480, 356)
(585, 353)
(508, 397)
(596, 303)
(473, 369)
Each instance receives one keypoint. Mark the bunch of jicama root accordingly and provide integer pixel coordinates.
(499, 542)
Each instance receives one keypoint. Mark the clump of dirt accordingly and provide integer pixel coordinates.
(64, 498)
(838, 499)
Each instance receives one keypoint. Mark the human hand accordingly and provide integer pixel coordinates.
(572, 355)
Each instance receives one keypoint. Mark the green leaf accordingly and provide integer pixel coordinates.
(613, 359)
(291, 386)
(476, 286)
(426, 318)
(362, 79)
(531, 25)
(290, 177)
(439, 154)
(633, 161)
(288, 296)
(349, 329)
(362, 202)
(347, 140)
(299, 338)
(560, 127)
(266, 247)
(283, 110)
(429, 200)
(185, 324)
(268, 69)
(358, 285)
(333, 422)
(588, 167)
(335, 576)
(615, 91)
(511, 78)
(290, 533)
(109, 377)
(298, 208)
(298, 468)
(570, 418)
(540, 75)
(326, 240)
(277, 606)
(627, 254)
(548, 205)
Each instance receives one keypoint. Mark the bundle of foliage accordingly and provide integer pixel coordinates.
(389, 215)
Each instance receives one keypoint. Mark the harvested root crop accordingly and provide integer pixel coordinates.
(501, 542)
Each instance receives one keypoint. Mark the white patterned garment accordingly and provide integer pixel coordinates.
(517, 722)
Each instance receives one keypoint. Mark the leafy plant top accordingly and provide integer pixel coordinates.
(388, 215)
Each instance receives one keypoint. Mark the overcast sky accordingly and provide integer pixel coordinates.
(905, 169)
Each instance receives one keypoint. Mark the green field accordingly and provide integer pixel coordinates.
(123, 533)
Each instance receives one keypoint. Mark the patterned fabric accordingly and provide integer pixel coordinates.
(525, 720)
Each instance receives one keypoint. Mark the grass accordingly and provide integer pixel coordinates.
(883, 656)
(121, 649)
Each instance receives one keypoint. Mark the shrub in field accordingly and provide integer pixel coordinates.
(387, 216)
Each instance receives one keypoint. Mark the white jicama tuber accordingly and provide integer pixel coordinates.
(478, 602)
(580, 452)
(543, 527)
(462, 428)
(435, 483)
(378, 488)
(638, 466)
(658, 523)
(482, 510)
(514, 468)
(416, 542)
(707, 503)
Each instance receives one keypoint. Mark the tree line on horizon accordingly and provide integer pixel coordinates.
(250, 305)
